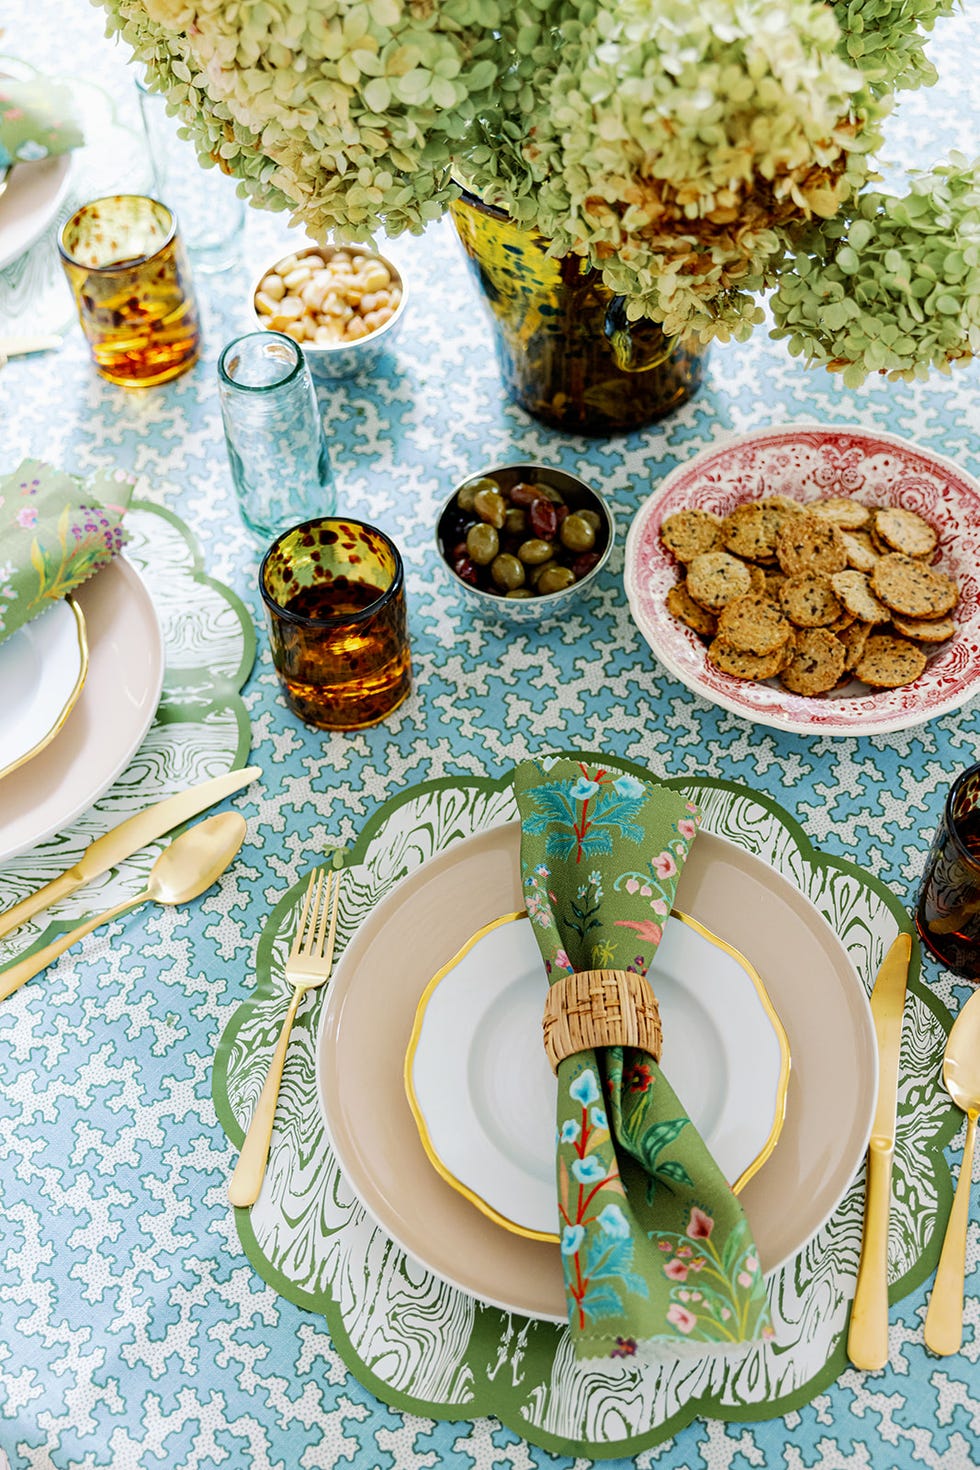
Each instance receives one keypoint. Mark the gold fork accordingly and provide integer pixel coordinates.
(308, 966)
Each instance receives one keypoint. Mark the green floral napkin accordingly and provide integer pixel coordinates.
(55, 531)
(36, 121)
(654, 1244)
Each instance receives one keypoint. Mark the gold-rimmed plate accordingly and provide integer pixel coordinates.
(42, 673)
(114, 711)
(30, 203)
(483, 1094)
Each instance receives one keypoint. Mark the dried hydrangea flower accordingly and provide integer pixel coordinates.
(345, 111)
(696, 151)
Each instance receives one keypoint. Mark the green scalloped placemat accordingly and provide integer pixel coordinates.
(201, 727)
(430, 1349)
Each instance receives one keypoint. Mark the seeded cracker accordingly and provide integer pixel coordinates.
(751, 531)
(784, 503)
(688, 533)
(680, 602)
(903, 530)
(753, 624)
(809, 601)
(849, 514)
(715, 578)
(817, 663)
(888, 662)
(926, 630)
(854, 638)
(806, 544)
(912, 589)
(741, 665)
(861, 553)
(854, 591)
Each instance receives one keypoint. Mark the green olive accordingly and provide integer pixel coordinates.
(469, 492)
(535, 551)
(535, 573)
(490, 506)
(521, 592)
(593, 517)
(550, 493)
(555, 579)
(507, 571)
(482, 544)
(515, 521)
(577, 534)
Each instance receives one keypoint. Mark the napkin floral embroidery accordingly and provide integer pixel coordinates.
(36, 121)
(654, 1244)
(56, 530)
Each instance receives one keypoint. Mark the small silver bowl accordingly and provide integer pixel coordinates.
(330, 362)
(577, 496)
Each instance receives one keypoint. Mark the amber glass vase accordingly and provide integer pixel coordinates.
(566, 351)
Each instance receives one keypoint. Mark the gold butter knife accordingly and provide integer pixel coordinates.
(137, 831)
(867, 1338)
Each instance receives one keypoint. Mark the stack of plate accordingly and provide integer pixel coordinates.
(79, 686)
(440, 1105)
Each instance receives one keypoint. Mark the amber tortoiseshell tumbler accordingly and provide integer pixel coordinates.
(948, 911)
(132, 286)
(334, 590)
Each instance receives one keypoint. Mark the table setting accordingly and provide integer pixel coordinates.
(489, 905)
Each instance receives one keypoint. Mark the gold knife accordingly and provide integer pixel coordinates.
(867, 1338)
(137, 831)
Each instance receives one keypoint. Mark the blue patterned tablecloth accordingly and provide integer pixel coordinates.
(133, 1332)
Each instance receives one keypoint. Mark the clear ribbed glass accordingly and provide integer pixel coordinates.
(274, 434)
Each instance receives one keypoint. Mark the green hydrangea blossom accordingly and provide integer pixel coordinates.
(887, 38)
(891, 285)
(699, 152)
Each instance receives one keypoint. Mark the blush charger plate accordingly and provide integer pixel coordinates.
(108, 723)
(807, 462)
(484, 1096)
(370, 1009)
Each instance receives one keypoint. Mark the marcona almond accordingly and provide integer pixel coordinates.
(327, 296)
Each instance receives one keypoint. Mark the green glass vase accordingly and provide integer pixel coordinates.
(567, 353)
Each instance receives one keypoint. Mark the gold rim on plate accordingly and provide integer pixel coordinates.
(481, 1204)
(70, 702)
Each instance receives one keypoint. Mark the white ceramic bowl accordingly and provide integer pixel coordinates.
(578, 496)
(330, 362)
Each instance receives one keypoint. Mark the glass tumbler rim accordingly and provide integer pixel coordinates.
(338, 619)
(266, 336)
(116, 265)
(966, 856)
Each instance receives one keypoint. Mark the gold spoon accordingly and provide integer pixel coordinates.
(191, 863)
(961, 1074)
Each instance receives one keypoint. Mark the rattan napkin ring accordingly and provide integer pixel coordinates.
(601, 1008)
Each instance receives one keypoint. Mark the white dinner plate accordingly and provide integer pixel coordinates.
(42, 671)
(369, 1011)
(30, 203)
(113, 713)
(484, 1096)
